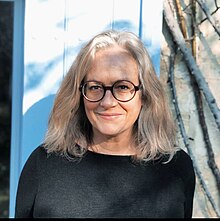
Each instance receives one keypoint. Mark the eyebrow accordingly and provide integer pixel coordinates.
(120, 79)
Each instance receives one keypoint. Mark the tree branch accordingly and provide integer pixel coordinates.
(181, 18)
(185, 137)
(199, 101)
(209, 17)
(178, 37)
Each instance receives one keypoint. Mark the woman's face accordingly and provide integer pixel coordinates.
(110, 117)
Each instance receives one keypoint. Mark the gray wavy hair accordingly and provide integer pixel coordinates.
(70, 132)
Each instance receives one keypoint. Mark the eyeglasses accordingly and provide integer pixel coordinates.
(122, 90)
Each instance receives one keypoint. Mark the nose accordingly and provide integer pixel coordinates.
(108, 100)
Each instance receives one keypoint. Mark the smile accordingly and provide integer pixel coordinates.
(109, 115)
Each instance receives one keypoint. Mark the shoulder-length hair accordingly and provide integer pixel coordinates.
(70, 132)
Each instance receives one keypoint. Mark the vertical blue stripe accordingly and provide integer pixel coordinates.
(65, 48)
(17, 96)
(140, 19)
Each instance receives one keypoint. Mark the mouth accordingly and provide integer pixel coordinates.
(109, 116)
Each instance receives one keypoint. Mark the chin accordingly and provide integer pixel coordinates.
(109, 133)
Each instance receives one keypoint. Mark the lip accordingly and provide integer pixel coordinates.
(109, 115)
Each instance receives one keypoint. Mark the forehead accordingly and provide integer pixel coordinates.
(114, 63)
(113, 55)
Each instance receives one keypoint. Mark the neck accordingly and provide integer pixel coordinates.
(113, 145)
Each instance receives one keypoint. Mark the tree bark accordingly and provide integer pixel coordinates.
(185, 137)
(190, 61)
(209, 17)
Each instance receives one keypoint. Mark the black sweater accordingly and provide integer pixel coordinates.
(105, 186)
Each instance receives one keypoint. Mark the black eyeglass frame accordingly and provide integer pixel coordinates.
(136, 88)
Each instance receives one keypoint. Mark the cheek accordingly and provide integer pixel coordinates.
(138, 105)
(138, 102)
(133, 108)
(89, 107)
(136, 109)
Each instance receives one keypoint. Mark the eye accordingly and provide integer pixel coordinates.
(91, 87)
(123, 87)
(95, 87)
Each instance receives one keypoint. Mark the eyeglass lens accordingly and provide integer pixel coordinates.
(121, 90)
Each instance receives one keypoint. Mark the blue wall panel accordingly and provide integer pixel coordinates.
(17, 99)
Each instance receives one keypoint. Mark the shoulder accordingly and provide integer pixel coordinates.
(182, 165)
(38, 154)
(40, 151)
(181, 159)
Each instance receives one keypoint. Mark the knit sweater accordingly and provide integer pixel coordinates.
(105, 186)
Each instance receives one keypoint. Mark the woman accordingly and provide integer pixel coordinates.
(109, 151)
